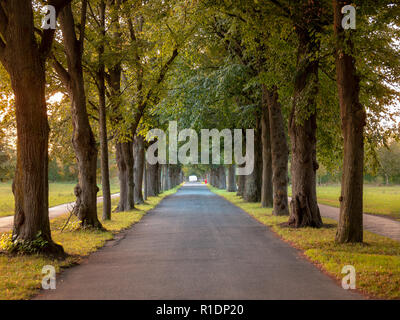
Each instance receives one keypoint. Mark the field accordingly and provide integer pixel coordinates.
(59, 193)
(379, 200)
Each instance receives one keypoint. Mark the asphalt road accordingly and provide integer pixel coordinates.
(196, 245)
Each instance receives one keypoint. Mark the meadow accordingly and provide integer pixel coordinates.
(59, 193)
(378, 200)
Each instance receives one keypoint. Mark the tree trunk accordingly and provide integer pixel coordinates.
(152, 180)
(231, 179)
(25, 64)
(105, 172)
(241, 181)
(171, 176)
(222, 177)
(279, 154)
(165, 176)
(144, 181)
(139, 167)
(266, 187)
(83, 139)
(127, 151)
(252, 190)
(350, 228)
(159, 179)
(302, 129)
(121, 177)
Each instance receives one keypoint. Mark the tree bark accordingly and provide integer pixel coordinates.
(302, 129)
(125, 162)
(24, 61)
(279, 154)
(105, 172)
(165, 176)
(83, 139)
(231, 187)
(222, 177)
(252, 190)
(266, 187)
(241, 181)
(145, 181)
(152, 180)
(353, 116)
(139, 168)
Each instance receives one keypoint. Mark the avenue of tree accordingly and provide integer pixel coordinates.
(317, 96)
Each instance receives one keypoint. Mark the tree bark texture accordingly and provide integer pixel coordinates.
(279, 154)
(302, 129)
(139, 168)
(266, 187)
(105, 172)
(353, 116)
(24, 60)
(83, 139)
(252, 190)
(231, 187)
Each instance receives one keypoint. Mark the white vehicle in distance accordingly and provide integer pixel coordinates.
(192, 179)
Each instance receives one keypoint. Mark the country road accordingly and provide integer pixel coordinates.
(196, 245)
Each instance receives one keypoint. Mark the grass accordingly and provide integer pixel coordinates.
(383, 200)
(376, 261)
(20, 276)
(59, 193)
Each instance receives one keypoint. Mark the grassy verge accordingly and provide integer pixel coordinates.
(377, 261)
(20, 276)
(378, 200)
(59, 193)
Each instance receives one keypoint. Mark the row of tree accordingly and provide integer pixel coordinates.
(313, 92)
(109, 59)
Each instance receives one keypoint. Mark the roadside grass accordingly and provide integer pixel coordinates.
(20, 276)
(59, 193)
(378, 200)
(376, 261)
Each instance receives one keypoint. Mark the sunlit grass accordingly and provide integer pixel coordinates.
(59, 193)
(377, 261)
(20, 276)
(379, 200)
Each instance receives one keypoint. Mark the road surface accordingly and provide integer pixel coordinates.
(196, 245)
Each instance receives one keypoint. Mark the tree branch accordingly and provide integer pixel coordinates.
(83, 24)
(149, 95)
(62, 72)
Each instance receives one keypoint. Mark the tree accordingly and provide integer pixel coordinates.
(350, 228)
(279, 154)
(83, 138)
(101, 75)
(389, 159)
(24, 59)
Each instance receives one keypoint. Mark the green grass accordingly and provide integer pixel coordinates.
(59, 193)
(378, 200)
(20, 276)
(377, 261)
